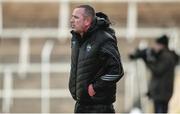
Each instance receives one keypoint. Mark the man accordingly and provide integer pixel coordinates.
(95, 62)
(161, 62)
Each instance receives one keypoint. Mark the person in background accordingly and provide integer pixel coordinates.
(95, 62)
(161, 61)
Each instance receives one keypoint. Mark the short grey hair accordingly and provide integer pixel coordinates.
(89, 10)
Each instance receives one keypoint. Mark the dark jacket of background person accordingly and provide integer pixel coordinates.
(162, 66)
(95, 59)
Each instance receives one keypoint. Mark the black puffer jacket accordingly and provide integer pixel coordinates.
(95, 59)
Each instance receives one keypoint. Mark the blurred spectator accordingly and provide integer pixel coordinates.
(161, 61)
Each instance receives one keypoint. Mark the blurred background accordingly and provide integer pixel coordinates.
(35, 51)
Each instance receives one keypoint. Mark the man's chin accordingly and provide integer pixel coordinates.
(75, 30)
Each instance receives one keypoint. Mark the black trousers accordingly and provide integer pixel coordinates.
(161, 106)
(97, 108)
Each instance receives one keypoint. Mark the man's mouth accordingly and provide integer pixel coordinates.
(72, 25)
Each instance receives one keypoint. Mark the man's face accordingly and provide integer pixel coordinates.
(79, 21)
(157, 47)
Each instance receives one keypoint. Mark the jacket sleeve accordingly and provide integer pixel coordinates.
(113, 67)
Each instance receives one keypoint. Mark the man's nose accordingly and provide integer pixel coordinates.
(71, 20)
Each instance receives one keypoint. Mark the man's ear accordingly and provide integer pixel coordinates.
(87, 21)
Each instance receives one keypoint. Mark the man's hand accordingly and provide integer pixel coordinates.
(91, 90)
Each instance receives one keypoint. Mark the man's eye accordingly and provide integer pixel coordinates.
(76, 17)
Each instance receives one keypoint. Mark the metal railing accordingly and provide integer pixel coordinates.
(8, 93)
(45, 70)
(7, 90)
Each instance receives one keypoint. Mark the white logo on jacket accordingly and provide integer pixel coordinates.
(73, 43)
(88, 47)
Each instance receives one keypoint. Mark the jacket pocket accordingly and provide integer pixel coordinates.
(99, 96)
(82, 93)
